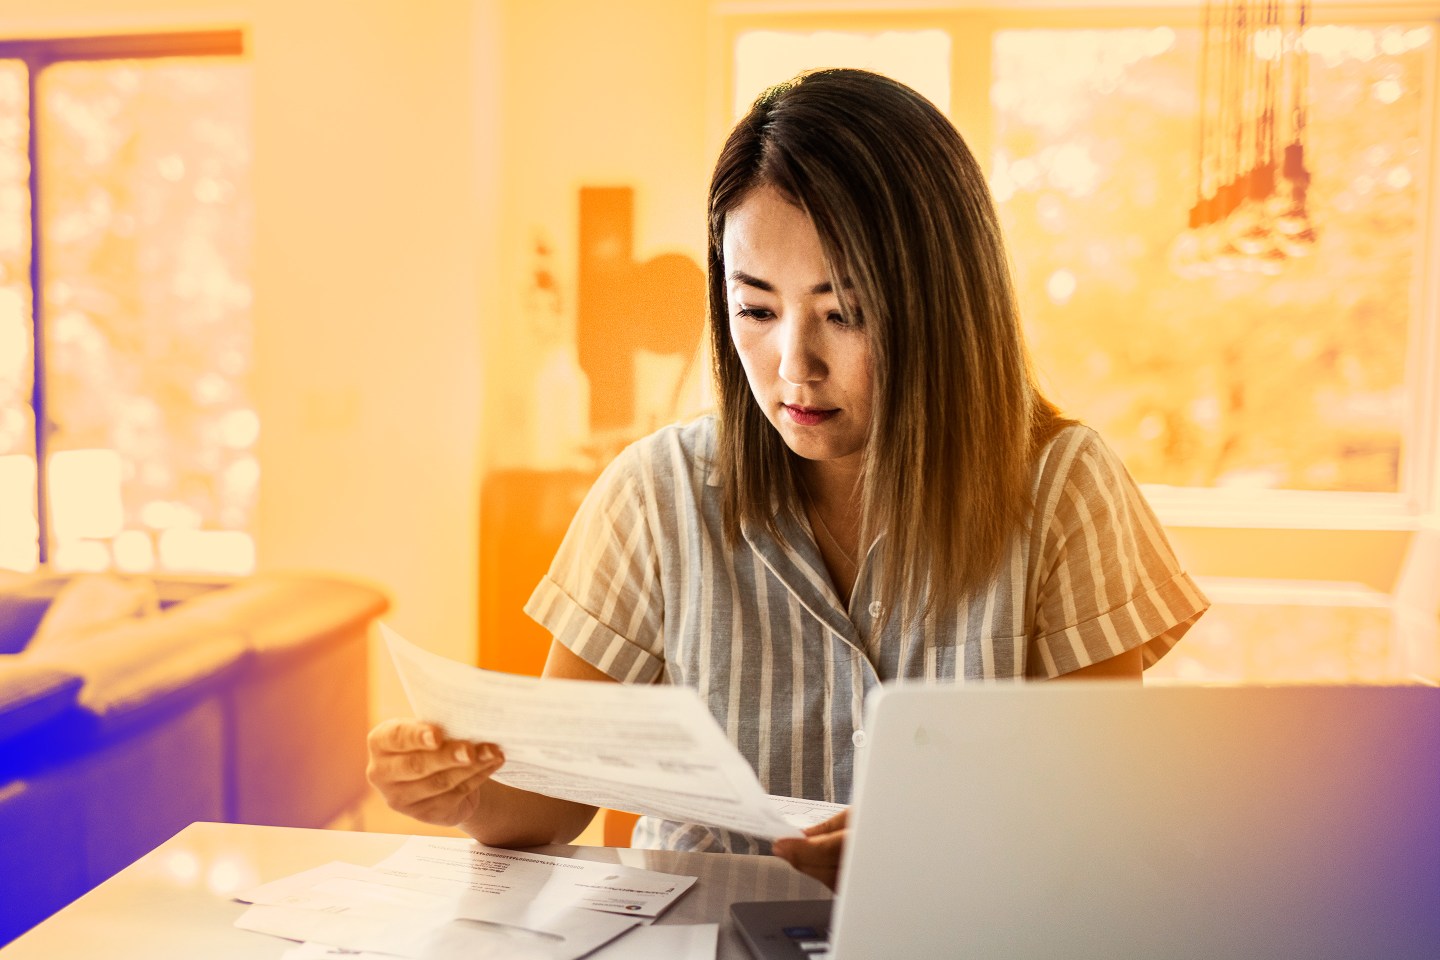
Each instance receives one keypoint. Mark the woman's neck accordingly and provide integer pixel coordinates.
(830, 497)
(833, 487)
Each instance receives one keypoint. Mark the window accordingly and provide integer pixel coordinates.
(1227, 392)
(127, 431)
(1232, 379)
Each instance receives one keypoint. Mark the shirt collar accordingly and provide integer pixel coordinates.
(795, 561)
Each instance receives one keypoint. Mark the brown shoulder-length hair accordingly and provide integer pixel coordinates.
(910, 233)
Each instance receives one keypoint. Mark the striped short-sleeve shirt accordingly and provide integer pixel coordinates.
(645, 588)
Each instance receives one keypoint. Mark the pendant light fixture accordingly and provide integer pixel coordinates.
(1250, 210)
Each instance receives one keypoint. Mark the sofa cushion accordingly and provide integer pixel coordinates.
(90, 602)
(25, 599)
(32, 694)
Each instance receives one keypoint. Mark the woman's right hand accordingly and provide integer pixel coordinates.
(425, 776)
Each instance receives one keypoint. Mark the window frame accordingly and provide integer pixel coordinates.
(38, 54)
(971, 27)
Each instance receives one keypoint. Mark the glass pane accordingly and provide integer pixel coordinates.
(19, 547)
(919, 58)
(146, 231)
(1295, 381)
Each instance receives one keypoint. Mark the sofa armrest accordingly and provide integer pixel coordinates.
(280, 613)
(131, 670)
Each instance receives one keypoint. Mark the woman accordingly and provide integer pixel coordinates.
(883, 492)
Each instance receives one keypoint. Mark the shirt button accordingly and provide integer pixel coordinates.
(858, 738)
(875, 608)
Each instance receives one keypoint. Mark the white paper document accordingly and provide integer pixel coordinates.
(647, 749)
(802, 813)
(516, 876)
(687, 941)
(438, 897)
(561, 938)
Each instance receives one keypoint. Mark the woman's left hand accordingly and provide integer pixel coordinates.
(818, 853)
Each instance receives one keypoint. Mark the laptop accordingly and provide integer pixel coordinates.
(1112, 821)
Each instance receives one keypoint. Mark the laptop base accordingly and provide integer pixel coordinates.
(784, 929)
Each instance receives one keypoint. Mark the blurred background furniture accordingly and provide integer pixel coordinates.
(238, 700)
(523, 515)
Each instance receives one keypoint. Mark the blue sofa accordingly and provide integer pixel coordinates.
(243, 701)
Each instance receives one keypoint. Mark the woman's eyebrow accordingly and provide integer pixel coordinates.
(744, 279)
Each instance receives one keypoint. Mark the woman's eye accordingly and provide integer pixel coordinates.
(844, 320)
(754, 313)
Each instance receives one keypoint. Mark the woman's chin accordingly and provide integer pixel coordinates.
(805, 444)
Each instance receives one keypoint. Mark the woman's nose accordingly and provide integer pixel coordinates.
(800, 360)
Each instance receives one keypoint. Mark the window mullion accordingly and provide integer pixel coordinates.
(1421, 475)
(38, 405)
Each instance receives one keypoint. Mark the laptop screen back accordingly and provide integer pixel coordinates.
(1101, 821)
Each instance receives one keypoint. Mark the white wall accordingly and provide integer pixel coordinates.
(372, 202)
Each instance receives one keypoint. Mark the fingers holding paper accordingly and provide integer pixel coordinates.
(425, 776)
(818, 853)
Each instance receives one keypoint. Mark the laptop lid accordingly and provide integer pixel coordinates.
(1102, 821)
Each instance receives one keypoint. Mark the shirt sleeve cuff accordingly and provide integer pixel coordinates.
(1154, 621)
(588, 638)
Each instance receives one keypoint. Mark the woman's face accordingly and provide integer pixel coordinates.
(808, 363)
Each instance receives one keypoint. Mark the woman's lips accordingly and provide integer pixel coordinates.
(808, 416)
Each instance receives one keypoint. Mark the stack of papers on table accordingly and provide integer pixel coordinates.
(439, 897)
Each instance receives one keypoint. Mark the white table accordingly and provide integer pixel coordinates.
(175, 902)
